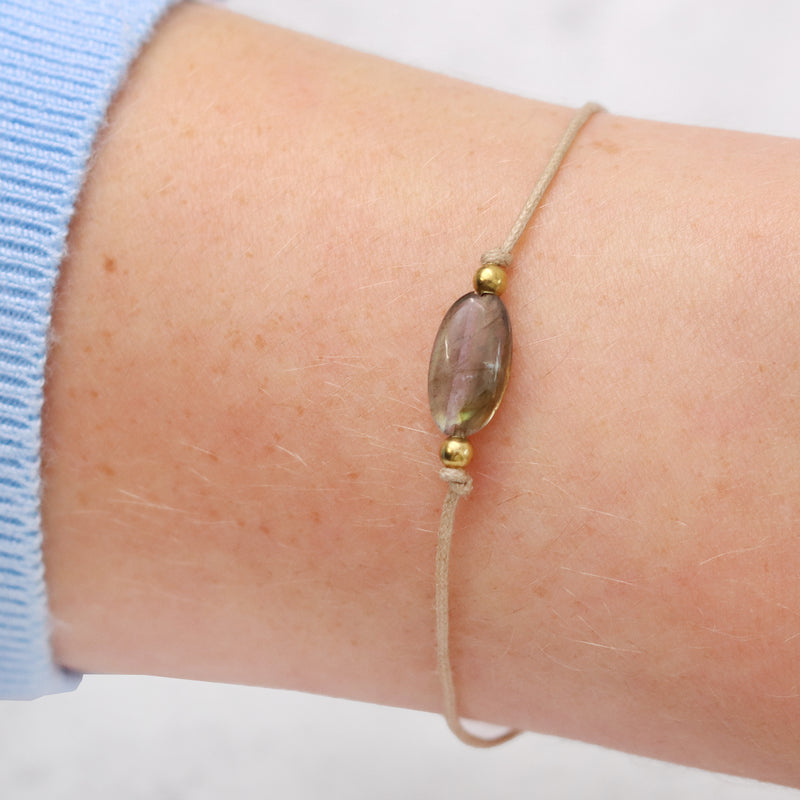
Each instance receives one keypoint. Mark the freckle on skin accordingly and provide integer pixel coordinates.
(610, 147)
(109, 264)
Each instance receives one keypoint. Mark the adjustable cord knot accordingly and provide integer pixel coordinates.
(459, 480)
(497, 256)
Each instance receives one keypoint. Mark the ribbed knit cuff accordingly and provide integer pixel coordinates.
(60, 63)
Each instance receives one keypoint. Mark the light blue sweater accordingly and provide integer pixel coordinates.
(60, 63)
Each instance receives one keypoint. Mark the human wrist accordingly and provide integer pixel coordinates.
(260, 399)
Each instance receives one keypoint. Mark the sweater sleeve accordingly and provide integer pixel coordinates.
(60, 63)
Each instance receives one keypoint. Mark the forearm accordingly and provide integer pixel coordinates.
(240, 477)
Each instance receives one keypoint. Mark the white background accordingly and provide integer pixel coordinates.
(723, 63)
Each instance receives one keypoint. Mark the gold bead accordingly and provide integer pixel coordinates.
(455, 452)
(490, 279)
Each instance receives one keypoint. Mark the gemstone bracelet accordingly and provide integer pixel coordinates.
(467, 376)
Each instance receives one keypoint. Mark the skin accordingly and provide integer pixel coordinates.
(240, 471)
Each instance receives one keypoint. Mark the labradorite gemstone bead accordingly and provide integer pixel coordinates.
(469, 364)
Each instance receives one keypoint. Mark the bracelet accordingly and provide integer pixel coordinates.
(467, 377)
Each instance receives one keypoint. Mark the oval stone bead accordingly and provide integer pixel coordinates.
(469, 365)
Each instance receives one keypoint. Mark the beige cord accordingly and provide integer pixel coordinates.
(459, 482)
(459, 485)
(502, 255)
